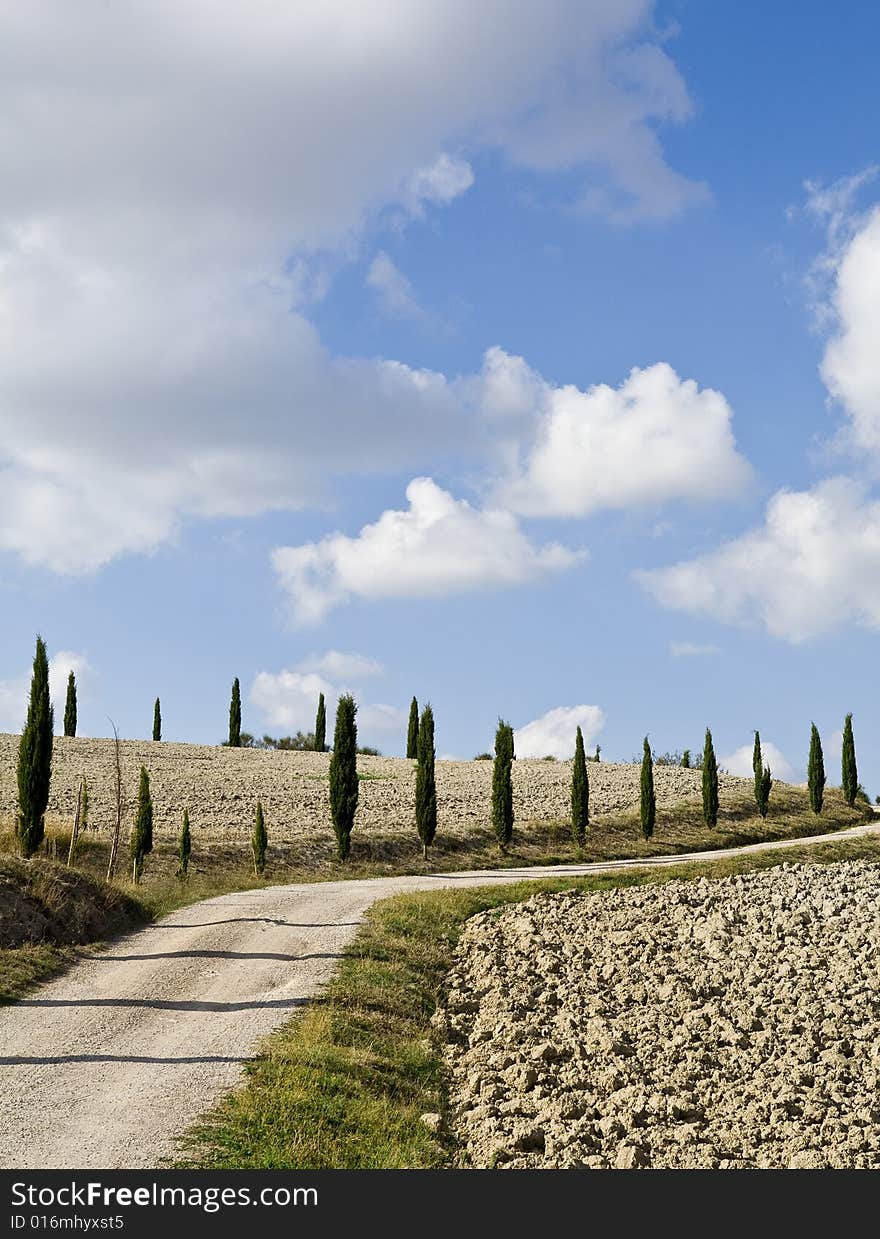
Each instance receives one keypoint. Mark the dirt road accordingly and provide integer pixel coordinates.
(108, 1066)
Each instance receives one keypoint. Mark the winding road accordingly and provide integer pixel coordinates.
(107, 1066)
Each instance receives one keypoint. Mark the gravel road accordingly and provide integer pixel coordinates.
(107, 1066)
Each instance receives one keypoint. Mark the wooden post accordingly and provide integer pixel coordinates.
(76, 821)
(114, 850)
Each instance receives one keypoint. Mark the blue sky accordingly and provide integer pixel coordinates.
(604, 272)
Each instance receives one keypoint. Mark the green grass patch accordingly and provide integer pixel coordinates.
(344, 1084)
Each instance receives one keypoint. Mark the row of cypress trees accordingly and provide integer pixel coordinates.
(35, 759)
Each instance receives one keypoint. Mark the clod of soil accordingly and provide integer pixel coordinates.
(44, 902)
(725, 1024)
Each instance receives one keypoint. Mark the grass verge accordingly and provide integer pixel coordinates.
(344, 1085)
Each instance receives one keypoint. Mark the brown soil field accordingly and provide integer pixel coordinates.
(220, 787)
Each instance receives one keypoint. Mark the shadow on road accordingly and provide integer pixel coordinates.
(287, 959)
(256, 920)
(57, 1060)
(159, 1004)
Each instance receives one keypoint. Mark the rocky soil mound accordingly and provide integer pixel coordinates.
(726, 1023)
(220, 787)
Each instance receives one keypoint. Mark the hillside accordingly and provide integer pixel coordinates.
(220, 787)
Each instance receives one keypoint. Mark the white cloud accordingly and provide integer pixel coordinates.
(439, 545)
(394, 290)
(813, 566)
(165, 187)
(288, 699)
(691, 649)
(15, 692)
(439, 182)
(382, 720)
(740, 762)
(851, 363)
(554, 732)
(654, 438)
(339, 666)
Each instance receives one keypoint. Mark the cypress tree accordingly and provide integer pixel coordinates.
(259, 840)
(34, 767)
(850, 779)
(70, 707)
(502, 785)
(142, 831)
(648, 802)
(235, 716)
(580, 792)
(184, 847)
(710, 782)
(426, 787)
(686, 760)
(343, 774)
(412, 731)
(816, 770)
(157, 721)
(321, 725)
(758, 770)
(766, 784)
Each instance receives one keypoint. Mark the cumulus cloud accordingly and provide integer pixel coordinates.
(15, 692)
(342, 667)
(162, 193)
(393, 289)
(654, 438)
(851, 363)
(813, 565)
(288, 699)
(438, 545)
(553, 734)
(740, 762)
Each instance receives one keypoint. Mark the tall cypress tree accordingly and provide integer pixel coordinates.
(321, 725)
(766, 784)
(426, 787)
(34, 767)
(157, 721)
(184, 847)
(142, 830)
(850, 774)
(235, 716)
(758, 769)
(710, 782)
(816, 770)
(648, 802)
(70, 707)
(412, 731)
(259, 839)
(580, 792)
(343, 774)
(502, 785)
